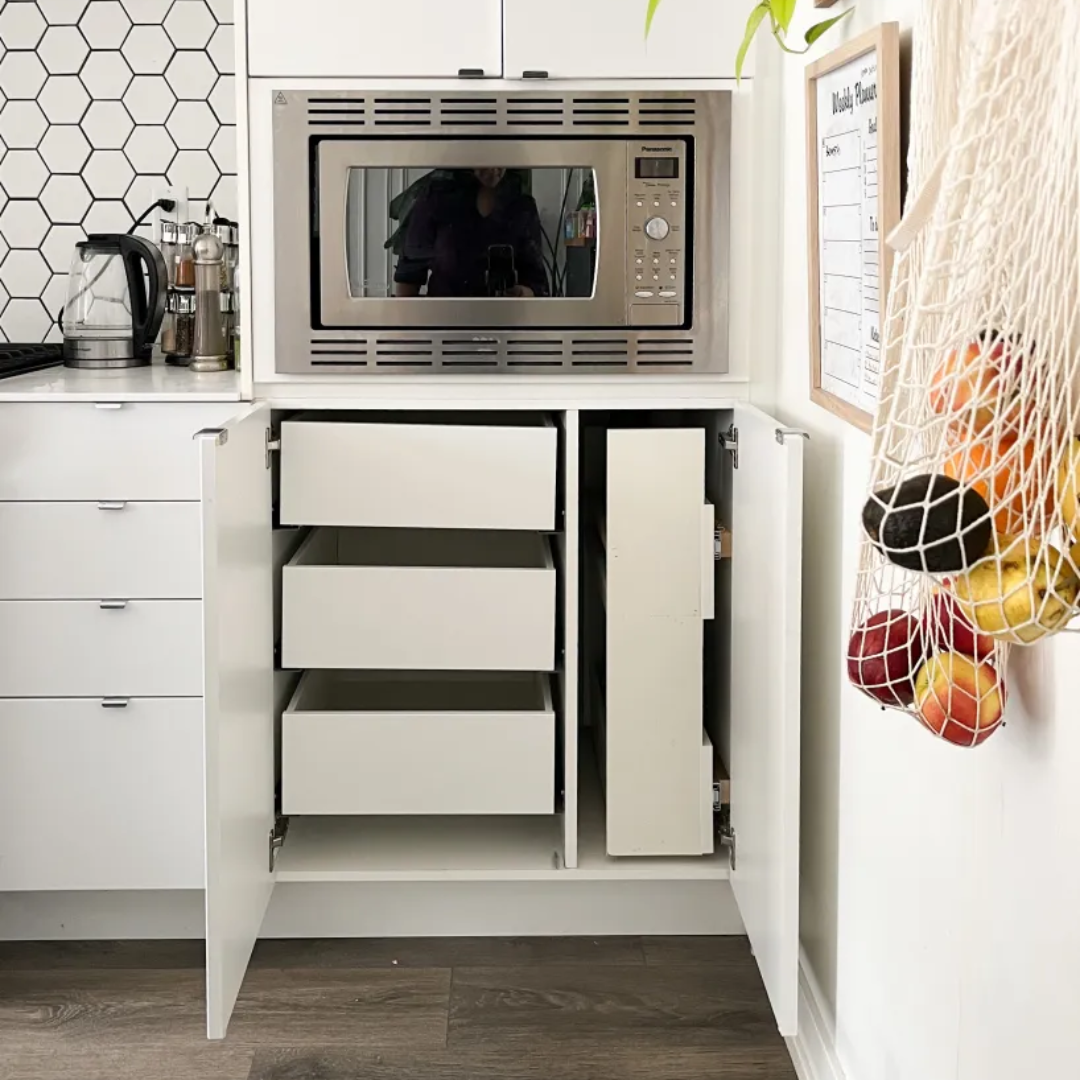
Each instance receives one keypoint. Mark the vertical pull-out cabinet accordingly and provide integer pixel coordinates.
(763, 756)
(239, 715)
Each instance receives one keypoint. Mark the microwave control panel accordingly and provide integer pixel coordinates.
(656, 224)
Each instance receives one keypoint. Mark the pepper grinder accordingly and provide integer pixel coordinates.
(209, 351)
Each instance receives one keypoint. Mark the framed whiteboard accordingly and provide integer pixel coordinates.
(853, 186)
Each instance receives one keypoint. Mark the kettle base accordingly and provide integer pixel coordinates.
(124, 362)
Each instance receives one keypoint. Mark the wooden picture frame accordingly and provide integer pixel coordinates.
(844, 378)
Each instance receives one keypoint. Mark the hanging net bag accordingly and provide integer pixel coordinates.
(972, 521)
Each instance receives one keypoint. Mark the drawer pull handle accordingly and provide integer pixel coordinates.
(111, 505)
(112, 605)
(114, 702)
(108, 404)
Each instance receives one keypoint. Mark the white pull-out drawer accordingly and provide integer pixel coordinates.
(101, 796)
(87, 451)
(91, 648)
(425, 601)
(85, 551)
(379, 743)
(478, 475)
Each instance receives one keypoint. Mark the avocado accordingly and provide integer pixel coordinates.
(929, 523)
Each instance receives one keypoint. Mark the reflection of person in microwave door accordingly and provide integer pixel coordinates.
(475, 233)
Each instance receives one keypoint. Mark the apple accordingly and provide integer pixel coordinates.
(947, 629)
(883, 654)
(960, 699)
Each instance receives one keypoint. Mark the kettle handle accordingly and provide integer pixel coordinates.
(147, 310)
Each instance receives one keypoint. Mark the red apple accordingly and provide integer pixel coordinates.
(960, 699)
(883, 655)
(947, 629)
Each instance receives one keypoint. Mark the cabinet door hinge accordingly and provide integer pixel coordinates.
(726, 834)
(277, 839)
(729, 440)
(272, 446)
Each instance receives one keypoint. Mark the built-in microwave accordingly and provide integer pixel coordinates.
(527, 231)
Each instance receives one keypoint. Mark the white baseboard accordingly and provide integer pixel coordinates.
(813, 1050)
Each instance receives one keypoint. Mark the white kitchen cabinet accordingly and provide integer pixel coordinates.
(605, 39)
(369, 38)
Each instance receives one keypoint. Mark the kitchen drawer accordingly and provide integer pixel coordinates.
(86, 551)
(88, 451)
(379, 743)
(420, 600)
(477, 475)
(97, 797)
(77, 648)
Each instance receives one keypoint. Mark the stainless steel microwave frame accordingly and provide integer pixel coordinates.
(321, 327)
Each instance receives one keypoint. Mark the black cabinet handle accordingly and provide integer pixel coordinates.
(470, 73)
(538, 74)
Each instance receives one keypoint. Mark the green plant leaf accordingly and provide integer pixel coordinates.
(752, 24)
(650, 14)
(783, 11)
(820, 28)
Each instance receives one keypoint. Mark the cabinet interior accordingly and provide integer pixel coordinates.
(383, 847)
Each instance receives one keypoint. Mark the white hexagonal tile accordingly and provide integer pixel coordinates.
(148, 50)
(3, 248)
(106, 75)
(22, 124)
(192, 125)
(191, 75)
(107, 174)
(223, 149)
(223, 99)
(21, 26)
(149, 99)
(65, 199)
(222, 10)
(64, 148)
(24, 273)
(63, 99)
(150, 149)
(23, 223)
(62, 11)
(23, 174)
(222, 50)
(63, 50)
(59, 246)
(189, 24)
(195, 170)
(224, 198)
(22, 75)
(3, 203)
(107, 216)
(145, 190)
(26, 321)
(146, 11)
(3, 301)
(107, 125)
(105, 24)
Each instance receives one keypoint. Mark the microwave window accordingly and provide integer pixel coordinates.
(466, 233)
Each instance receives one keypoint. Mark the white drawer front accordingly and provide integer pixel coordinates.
(79, 450)
(439, 476)
(419, 744)
(77, 648)
(445, 611)
(101, 798)
(86, 551)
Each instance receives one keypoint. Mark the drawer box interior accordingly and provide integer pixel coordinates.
(419, 743)
(419, 600)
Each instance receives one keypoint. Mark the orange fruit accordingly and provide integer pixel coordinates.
(972, 385)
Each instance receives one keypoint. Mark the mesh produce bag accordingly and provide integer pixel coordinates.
(972, 521)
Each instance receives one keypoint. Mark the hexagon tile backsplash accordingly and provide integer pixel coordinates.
(103, 103)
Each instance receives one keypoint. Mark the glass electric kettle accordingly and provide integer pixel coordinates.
(115, 302)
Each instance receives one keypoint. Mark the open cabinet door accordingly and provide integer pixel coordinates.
(238, 639)
(766, 602)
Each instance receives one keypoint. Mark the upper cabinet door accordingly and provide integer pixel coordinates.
(766, 584)
(369, 38)
(238, 639)
(605, 39)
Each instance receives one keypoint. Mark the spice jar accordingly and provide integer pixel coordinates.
(181, 305)
(185, 257)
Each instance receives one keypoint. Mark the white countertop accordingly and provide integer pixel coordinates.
(158, 382)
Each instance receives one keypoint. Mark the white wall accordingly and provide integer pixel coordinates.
(941, 887)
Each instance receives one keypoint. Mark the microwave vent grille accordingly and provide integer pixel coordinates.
(336, 112)
(407, 112)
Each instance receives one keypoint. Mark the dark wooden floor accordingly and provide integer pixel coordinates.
(452, 1009)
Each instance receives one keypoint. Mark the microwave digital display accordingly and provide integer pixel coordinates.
(656, 168)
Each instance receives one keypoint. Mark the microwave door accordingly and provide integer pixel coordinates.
(472, 234)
